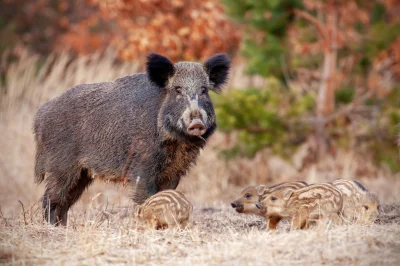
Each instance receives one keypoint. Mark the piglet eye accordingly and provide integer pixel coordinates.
(178, 89)
(365, 207)
(273, 199)
(247, 196)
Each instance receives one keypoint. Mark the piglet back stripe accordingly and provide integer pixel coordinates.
(169, 196)
(324, 186)
(360, 186)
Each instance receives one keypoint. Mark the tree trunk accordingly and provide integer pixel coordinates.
(326, 92)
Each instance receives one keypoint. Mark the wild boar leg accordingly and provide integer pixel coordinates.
(170, 184)
(144, 186)
(273, 222)
(299, 219)
(61, 195)
(335, 218)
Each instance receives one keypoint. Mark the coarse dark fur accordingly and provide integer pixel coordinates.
(146, 127)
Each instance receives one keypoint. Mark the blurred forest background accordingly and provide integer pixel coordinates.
(312, 80)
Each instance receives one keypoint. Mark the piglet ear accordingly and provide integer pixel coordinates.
(287, 194)
(260, 190)
(159, 69)
(217, 68)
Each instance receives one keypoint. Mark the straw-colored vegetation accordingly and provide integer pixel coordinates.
(101, 229)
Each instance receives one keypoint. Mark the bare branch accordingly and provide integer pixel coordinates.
(4, 219)
(257, 129)
(310, 18)
(348, 108)
(345, 110)
(23, 212)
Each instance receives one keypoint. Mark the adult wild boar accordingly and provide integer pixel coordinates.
(147, 128)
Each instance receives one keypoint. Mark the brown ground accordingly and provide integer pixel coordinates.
(216, 236)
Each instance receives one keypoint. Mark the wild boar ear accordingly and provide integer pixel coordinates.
(137, 209)
(260, 190)
(159, 69)
(287, 194)
(217, 68)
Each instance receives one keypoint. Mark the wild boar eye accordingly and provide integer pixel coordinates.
(273, 199)
(365, 207)
(178, 89)
(203, 90)
(247, 196)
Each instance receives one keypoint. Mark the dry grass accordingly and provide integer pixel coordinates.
(101, 231)
(217, 236)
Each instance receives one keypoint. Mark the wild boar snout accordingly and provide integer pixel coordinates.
(194, 118)
(196, 128)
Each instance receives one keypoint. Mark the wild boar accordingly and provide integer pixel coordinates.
(302, 206)
(150, 126)
(166, 209)
(359, 205)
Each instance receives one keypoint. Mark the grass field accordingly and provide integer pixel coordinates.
(217, 236)
(101, 229)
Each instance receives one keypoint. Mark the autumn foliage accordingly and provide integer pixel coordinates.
(180, 29)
